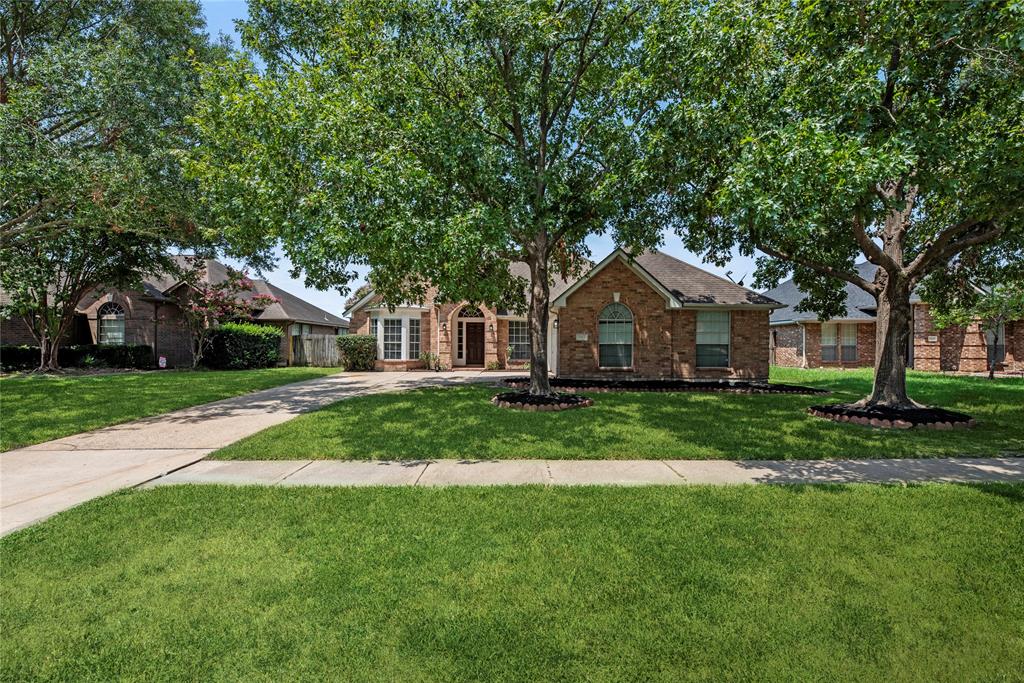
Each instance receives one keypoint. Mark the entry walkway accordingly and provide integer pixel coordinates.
(39, 481)
(584, 472)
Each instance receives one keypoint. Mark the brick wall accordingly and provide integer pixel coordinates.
(788, 345)
(953, 349)
(1014, 347)
(15, 331)
(664, 341)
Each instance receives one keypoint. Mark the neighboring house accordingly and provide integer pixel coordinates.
(151, 315)
(644, 317)
(801, 339)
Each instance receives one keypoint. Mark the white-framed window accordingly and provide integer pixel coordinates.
(713, 339)
(374, 321)
(519, 339)
(849, 346)
(838, 342)
(995, 344)
(829, 342)
(110, 324)
(615, 337)
(392, 339)
(414, 338)
(460, 345)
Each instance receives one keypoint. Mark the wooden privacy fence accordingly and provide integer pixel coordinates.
(319, 350)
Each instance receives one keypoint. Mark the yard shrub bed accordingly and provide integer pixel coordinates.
(132, 356)
(890, 418)
(524, 400)
(667, 385)
(357, 352)
(243, 346)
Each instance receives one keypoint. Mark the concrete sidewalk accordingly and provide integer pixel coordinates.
(588, 472)
(41, 480)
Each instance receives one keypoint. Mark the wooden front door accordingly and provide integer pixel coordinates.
(474, 343)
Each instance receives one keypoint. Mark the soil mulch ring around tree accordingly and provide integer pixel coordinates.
(524, 400)
(891, 418)
(666, 385)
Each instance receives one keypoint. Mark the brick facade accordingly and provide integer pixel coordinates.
(961, 349)
(664, 340)
(787, 345)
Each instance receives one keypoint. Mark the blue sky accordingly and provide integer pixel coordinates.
(220, 16)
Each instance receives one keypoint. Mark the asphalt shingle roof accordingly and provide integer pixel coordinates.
(859, 304)
(692, 285)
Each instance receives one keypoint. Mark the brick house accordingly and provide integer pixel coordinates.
(800, 339)
(151, 315)
(643, 317)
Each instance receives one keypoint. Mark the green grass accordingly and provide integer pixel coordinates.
(461, 423)
(36, 408)
(526, 584)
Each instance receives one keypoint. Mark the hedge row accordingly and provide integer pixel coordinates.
(137, 356)
(357, 352)
(240, 346)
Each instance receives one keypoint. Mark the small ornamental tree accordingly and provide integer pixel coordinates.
(204, 306)
(436, 142)
(822, 134)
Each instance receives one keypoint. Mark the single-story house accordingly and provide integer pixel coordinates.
(647, 316)
(151, 315)
(801, 339)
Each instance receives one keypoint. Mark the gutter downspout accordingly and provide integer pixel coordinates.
(803, 345)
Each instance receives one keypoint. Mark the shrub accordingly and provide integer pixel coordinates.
(19, 357)
(357, 351)
(431, 361)
(138, 356)
(493, 365)
(240, 346)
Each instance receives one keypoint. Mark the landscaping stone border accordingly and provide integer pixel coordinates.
(523, 400)
(884, 418)
(667, 385)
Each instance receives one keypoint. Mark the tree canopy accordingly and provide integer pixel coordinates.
(93, 97)
(435, 142)
(822, 134)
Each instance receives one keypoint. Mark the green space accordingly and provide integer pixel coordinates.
(36, 407)
(859, 582)
(461, 423)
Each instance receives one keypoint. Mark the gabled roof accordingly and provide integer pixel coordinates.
(287, 308)
(695, 286)
(516, 268)
(859, 304)
(681, 284)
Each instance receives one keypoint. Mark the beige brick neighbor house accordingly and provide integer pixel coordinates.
(652, 316)
(151, 315)
(800, 339)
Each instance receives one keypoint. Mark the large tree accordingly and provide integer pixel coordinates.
(435, 141)
(93, 98)
(93, 95)
(821, 134)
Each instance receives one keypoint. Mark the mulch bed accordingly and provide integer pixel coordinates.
(524, 400)
(890, 418)
(664, 385)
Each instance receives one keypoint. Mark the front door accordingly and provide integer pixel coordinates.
(474, 343)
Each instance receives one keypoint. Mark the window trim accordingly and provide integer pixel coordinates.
(632, 336)
(526, 325)
(728, 344)
(408, 338)
(119, 316)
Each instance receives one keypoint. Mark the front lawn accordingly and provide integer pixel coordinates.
(461, 423)
(36, 408)
(860, 583)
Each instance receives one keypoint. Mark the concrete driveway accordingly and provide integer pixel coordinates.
(42, 480)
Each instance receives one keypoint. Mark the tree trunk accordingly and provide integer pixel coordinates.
(892, 337)
(539, 305)
(48, 350)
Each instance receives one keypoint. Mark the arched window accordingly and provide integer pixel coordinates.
(110, 324)
(615, 337)
(471, 312)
